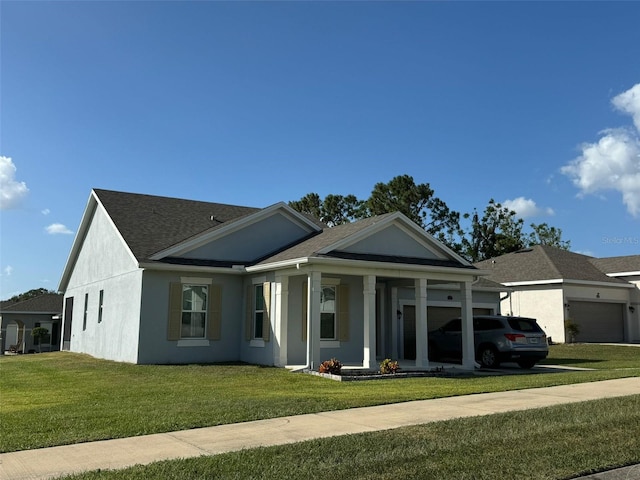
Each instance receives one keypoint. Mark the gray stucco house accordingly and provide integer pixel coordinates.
(600, 295)
(157, 280)
(18, 319)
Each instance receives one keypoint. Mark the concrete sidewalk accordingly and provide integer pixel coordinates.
(47, 463)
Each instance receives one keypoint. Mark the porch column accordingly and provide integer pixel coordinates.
(422, 354)
(468, 349)
(369, 293)
(314, 289)
(281, 323)
(395, 308)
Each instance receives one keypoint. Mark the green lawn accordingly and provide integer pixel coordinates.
(549, 443)
(62, 398)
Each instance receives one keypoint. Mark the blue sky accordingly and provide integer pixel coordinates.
(534, 104)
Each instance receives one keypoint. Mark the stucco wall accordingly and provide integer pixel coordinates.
(390, 241)
(544, 303)
(104, 263)
(351, 351)
(273, 232)
(154, 344)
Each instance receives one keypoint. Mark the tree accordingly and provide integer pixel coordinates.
(499, 231)
(30, 294)
(333, 210)
(543, 234)
(38, 333)
(417, 202)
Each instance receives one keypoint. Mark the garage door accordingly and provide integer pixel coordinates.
(598, 322)
(438, 316)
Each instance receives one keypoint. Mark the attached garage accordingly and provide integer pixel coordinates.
(598, 321)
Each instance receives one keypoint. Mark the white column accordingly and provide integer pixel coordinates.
(468, 349)
(395, 308)
(281, 322)
(369, 298)
(314, 280)
(422, 354)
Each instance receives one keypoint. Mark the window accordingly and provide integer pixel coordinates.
(100, 303)
(194, 311)
(86, 311)
(328, 313)
(258, 311)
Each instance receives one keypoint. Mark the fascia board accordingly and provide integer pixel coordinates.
(234, 226)
(78, 240)
(559, 281)
(624, 274)
(239, 270)
(363, 265)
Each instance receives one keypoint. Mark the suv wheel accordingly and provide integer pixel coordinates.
(488, 356)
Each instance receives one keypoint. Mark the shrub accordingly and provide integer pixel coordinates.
(389, 366)
(332, 366)
(572, 329)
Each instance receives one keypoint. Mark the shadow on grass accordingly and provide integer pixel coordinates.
(569, 361)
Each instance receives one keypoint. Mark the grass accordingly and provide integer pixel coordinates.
(63, 398)
(549, 443)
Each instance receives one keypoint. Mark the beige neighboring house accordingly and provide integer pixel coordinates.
(601, 295)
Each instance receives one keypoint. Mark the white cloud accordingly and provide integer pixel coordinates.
(46, 211)
(613, 163)
(629, 102)
(525, 207)
(58, 228)
(11, 191)
(7, 271)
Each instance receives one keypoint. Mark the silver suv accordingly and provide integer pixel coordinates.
(497, 339)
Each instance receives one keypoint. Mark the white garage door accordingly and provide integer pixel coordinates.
(598, 322)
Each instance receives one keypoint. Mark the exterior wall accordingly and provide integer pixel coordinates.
(390, 241)
(255, 351)
(116, 336)
(545, 303)
(349, 352)
(155, 348)
(104, 263)
(273, 232)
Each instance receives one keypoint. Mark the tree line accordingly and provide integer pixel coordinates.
(495, 231)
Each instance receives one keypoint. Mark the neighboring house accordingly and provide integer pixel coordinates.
(600, 295)
(18, 319)
(156, 280)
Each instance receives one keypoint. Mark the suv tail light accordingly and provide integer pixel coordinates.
(516, 337)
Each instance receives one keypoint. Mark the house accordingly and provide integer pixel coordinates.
(157, 280)
(18, 319)
(600, 295)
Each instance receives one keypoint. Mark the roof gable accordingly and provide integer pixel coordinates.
(543, 263)
(246, 239)
(149, 223)
(391, 237)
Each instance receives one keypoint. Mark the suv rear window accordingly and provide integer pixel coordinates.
(525, 325)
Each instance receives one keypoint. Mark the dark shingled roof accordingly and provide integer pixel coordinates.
(630, 263)
(47, 303)
(149, 223)
(542, 262)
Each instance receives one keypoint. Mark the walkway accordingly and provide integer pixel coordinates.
(48, 463)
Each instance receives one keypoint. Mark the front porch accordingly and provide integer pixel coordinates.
(370, 317)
